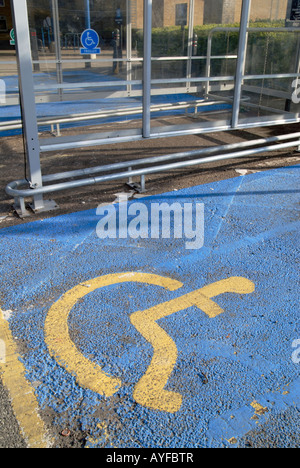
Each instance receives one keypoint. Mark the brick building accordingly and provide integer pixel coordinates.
(166, 13)
(171, 12)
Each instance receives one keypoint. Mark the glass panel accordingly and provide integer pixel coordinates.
(273, 56)
(9, 89)
(194, 50)
(87, 65)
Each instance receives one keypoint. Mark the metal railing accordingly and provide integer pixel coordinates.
(20, 189)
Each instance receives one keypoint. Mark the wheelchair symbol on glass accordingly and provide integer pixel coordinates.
(90, 40)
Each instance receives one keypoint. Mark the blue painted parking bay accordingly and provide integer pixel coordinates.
(145, 343)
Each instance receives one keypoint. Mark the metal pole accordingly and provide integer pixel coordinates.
(128, 45)
(87, 14)
(26, 85)
(208, 61)
(297, 69)
(241, 61)
(147, 68)
(56, 28)
(87, 26)
(190, 42)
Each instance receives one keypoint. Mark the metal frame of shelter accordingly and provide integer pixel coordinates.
(38, 185)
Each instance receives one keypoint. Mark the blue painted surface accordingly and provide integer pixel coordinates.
(224, 364)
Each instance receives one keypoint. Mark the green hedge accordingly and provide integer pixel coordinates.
(172, 42)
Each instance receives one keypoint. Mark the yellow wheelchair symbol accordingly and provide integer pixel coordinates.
(150, 390)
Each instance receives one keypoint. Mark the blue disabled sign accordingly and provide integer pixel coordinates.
(90, 40)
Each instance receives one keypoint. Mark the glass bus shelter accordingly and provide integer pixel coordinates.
(165, 67)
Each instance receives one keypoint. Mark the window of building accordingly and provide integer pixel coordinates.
(181, 14)
(295, 14)
(3, 23)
